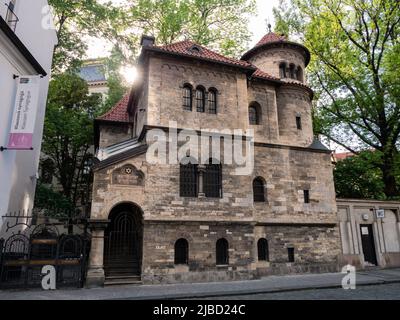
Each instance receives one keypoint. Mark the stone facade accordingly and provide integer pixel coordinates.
(285, 157)
(355, 216)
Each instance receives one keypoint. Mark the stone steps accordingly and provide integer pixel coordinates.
(116, 280)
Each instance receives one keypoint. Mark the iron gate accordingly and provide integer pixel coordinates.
(22, 258)
(123, 245)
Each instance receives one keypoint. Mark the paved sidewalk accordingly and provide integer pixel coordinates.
(199, 290)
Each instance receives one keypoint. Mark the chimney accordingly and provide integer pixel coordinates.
(147, 41)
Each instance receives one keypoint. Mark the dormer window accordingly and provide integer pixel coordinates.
(195, 49)
(282, 70)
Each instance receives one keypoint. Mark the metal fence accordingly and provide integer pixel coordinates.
(23, 256)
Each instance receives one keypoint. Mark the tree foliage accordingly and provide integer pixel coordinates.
(68, 133)
(219, 24)
(355, 47)
(356, 177)
(116, 84)
(74, 20)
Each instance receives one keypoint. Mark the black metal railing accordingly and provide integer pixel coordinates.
(11, 18)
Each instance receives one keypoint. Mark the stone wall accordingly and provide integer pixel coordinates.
(294, 102)
(316, 250)
(269, 60)
(112, 134)
(166, 80)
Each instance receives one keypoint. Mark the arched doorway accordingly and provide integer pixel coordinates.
(123, 241)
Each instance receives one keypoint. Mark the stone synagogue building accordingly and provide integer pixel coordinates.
(165, 223)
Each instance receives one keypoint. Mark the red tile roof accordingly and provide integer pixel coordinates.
(118, 113)
(271, 37)
(188, 48)
(343, 155)
(263, 75)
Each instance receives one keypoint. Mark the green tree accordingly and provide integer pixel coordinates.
(357, 177)
(75, 19)
(68, 133)
(117, 85)
(219, 24)
(355, 47)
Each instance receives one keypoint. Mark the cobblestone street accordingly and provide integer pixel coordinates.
(374, 292)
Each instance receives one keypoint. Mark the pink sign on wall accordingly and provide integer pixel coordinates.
(24, 117)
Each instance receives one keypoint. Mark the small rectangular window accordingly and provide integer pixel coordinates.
(290, 254)
(306, 196)
(298, 123)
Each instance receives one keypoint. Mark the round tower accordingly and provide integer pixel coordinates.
(281, 58)
(286, 61)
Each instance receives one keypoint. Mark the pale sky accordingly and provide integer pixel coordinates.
(258, 27)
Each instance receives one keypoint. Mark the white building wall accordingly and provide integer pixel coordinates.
(386, 231)
(18, 168)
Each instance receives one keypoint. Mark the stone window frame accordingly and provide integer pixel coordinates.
(283, 69)
(200, 100)
(263, 183)
(263, 250)
(212, 92)
(181, 253)
(212, 179)
(189, 167)
(187, 102)
(306, 195)
(291, 254)
(299, 124)
(300, 74)
(255, 120)
(222, 252)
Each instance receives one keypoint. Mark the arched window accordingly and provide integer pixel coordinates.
(213, 179)
(200, 99)
(188, 178)
(263, 251)
(258, 190)
(282, 70)
(181, 251)
(212, 101)
(222, 251)
(187, 97)
(254, 113)
(300, 74)
(292, 71)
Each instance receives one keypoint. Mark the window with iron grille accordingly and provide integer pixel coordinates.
(181, 251)
(222, 251)
(306, 196)
(253, 115)
(298, 123)
(290, 254)
(213, 179)
(258, 190)
(212, 101)
(263, 251)
(188, 179)
(187, 98)
(200, 99)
